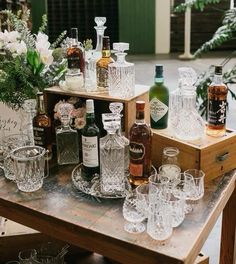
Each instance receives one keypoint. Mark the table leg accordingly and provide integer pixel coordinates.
(228, 234)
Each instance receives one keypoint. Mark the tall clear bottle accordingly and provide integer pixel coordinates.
(102, 65)
(112, 173)
(66, 138)
(217, 102)
(91, 79)
(90, 143)
(116, 108)
(121, 74)
(140, 147)
(159, 100)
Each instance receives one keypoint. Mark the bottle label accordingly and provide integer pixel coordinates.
(217, 112)
(102, 77)
(40, 136)
(136, 150)
(157, 109)
(73, 62)
(90, 151)
(136, 169)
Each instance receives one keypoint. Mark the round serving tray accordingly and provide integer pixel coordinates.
(93, 187)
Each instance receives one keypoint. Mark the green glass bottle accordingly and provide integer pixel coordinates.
(90, 143)
(159, 101)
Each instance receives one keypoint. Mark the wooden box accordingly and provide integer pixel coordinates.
(101, 103)
(215, 156)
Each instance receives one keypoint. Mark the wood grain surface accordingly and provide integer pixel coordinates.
(61, 212)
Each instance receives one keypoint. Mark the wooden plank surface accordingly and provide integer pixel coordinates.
(61, 212)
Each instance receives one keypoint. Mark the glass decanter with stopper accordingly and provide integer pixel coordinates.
(121, 74)
(116, 109)
(189, 124)
(66, 138)
(91, 79)
(112, 173)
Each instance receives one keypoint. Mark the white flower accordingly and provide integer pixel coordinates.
(12, 47)
(41, 37)
(46, 56)
(21, 48)
(13, 36)
(42, 42)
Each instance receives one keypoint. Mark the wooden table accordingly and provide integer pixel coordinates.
(61, 212)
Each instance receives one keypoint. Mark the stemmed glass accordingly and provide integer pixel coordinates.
(133, 213)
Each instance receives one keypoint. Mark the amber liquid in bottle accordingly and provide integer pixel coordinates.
(102, 65)
(42, 126)
(217, 102)
(75, 53)
(140, 148)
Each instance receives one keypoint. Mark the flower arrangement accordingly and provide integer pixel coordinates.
(28, 62)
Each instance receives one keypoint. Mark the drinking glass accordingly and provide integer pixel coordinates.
(29, 167)
(8, 144)
(177, 206)
(133, 213)
(160, 181)
(198, 178)
(184, 189)
(170, 156)
(28, 256)
(171, 171)
(159, 224)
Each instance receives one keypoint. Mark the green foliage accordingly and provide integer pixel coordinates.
(197, 4)
(59, 39)
(88, 44)
(44, 25)
(224, 33)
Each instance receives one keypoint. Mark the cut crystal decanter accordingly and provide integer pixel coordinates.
(116, 109)
(112, 174)
(91, 79)
(189, 124)
(121, 74)
(66, 138)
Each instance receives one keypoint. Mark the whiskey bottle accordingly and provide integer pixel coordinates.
(159, 100)
(42, 126)
(217, 101)
(140, 148)
(66, 138)
(102, 65)
(75, 53)
(90, 143)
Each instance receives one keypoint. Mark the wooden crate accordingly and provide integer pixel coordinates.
(101, 103)
(215, 156)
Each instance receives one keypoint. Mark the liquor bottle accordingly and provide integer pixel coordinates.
(66, 138)
(75, 53)
(102, 65)
(140, 147)
(217, 102)
(159, 101)
(112, 171)
(121, 74)
(91, 77)
(90, 143)
(42, 126)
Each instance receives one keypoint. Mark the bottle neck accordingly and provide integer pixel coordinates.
(159, 79)
(121, 57)
(218, 79)
(100, 34)
(189, 101)
(90, 118)
(140, 117)
(106, 53)
(40, 104)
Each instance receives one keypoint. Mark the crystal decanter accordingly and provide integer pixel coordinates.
(116, 109)
(189, 124)
(112, 173)
(66, 138)
(91, 81)
(121, 74)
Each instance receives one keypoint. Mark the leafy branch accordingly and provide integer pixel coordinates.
(197, 4)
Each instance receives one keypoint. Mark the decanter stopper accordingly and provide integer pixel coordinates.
(100, 21)
(65, 110)
(120, 46)
(116, 108)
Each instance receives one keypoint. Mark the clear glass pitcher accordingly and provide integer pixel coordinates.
(29, 167)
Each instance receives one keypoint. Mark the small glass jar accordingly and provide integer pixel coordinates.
(74, 80)
(170, 156)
